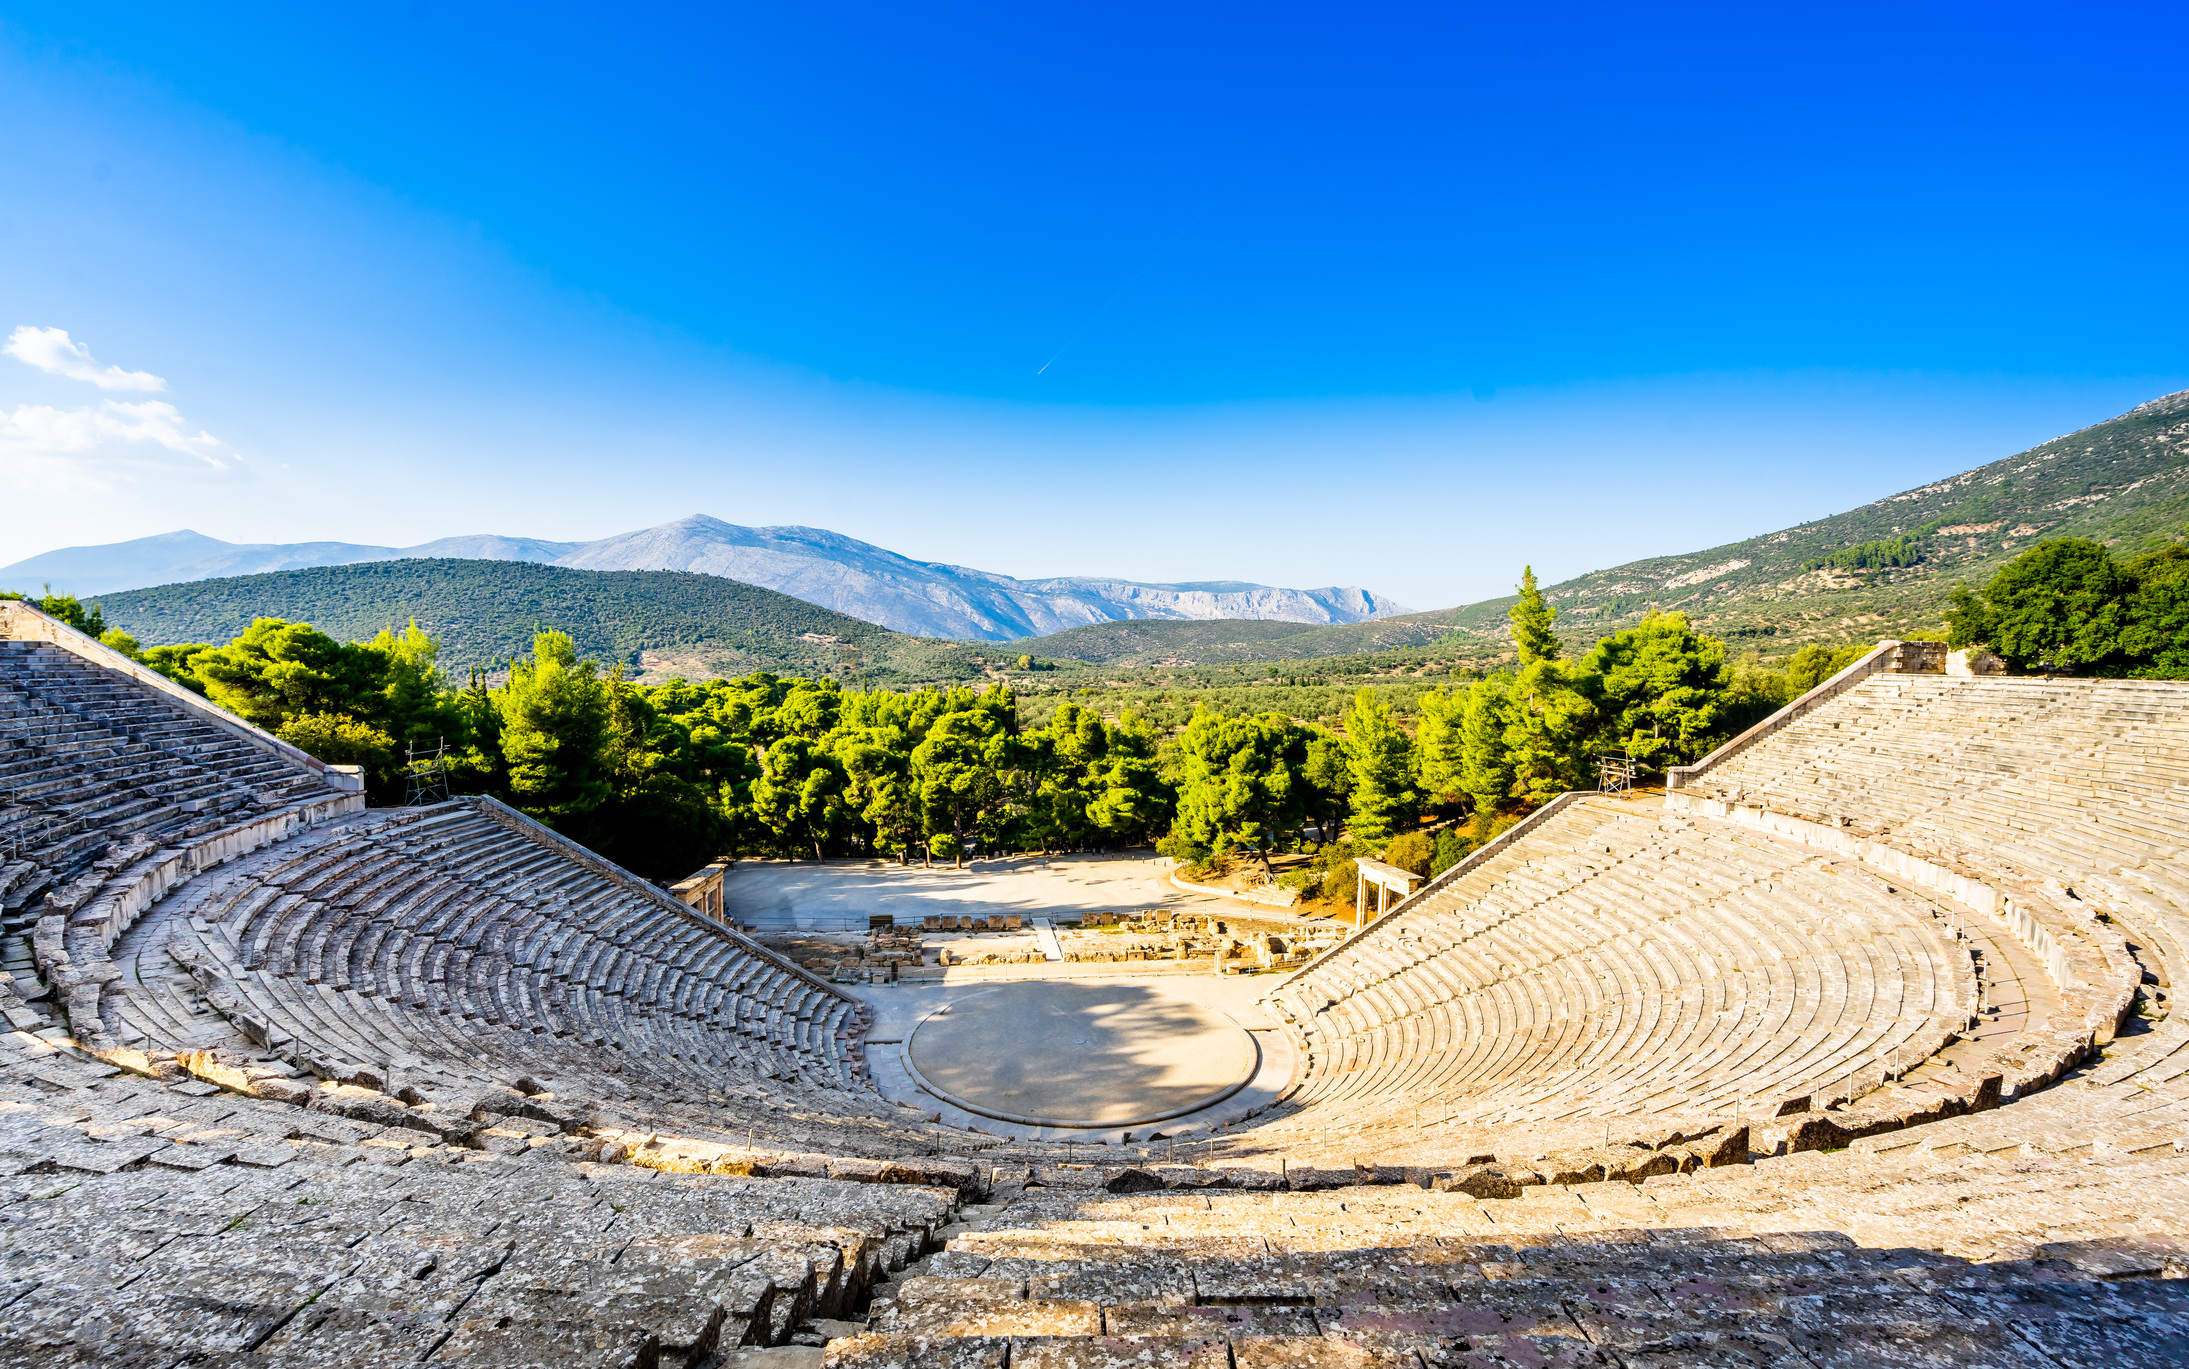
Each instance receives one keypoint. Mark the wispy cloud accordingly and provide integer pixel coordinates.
(51, 351)
(97, 450)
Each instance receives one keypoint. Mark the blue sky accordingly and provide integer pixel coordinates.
(1392, 296)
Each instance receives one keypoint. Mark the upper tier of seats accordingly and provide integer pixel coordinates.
(97, 768)
(2084, 782)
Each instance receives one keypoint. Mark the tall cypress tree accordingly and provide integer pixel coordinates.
(1532, 618)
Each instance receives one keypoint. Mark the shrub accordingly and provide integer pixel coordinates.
(1341, 883)
(1452, 848)
(1413, 852)
(1183, 849)
(339, 739)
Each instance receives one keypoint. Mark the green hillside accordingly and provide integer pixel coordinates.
(658, 623)
(1142, 642)
(1887, 568)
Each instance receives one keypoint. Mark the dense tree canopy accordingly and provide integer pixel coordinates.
(2069, 602)
(1660, 688)
(664, 778)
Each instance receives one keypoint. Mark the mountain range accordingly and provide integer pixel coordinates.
(1884, 569)
(821, 567)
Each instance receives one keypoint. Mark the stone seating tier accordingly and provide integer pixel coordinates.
(150, 1219)
(453, 950)
(2068, 796)
(156, 1222)
(1619, 970)
(96, 767)
(1809, 1261)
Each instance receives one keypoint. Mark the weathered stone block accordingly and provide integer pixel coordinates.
(1490, 1181)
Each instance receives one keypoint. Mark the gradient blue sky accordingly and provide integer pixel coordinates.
(1398, 296)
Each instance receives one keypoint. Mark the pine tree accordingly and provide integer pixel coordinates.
(1661, 687)
(1237, 786)
(1384, 799)
(1439, 747)
(554, 715)
(1532, 618)
(1547, 739)
(1485, 759)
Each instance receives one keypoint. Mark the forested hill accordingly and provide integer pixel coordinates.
(1154, 642)
(485, 612)
(1887, 568)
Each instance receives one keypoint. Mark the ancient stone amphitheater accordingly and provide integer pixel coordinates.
(1854, 1048)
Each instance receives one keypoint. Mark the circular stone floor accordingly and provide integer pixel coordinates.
(1080, 1055)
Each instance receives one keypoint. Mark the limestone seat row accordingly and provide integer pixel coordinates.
(453, 946)
(1810, 1261)
(145, 1221)
(2071, 796)
(1620, 964)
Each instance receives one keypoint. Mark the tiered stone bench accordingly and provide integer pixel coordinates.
(1615, 974)
(157, 1222)
(2065, 796)
(101, 769)
(1804, 1261)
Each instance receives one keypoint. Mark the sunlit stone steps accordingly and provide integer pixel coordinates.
(1614, 963)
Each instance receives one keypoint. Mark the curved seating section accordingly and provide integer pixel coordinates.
(2073, 796)
(2074, 780)
(156, 1224)
(457, 949)
(95, 767)
(1615, 964)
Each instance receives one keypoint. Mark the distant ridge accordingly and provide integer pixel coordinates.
(822, 567)
(656, 623)
(939, 600)
(2124, 482)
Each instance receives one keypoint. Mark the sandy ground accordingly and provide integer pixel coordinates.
(899, 1008)
(1115, 1054)
(776, 895)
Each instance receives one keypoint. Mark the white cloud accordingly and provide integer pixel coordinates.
(51, 351)
(95, 450)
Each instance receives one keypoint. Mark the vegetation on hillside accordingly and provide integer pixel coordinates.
(1887, 569)
(486, 613)
(665, 777)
